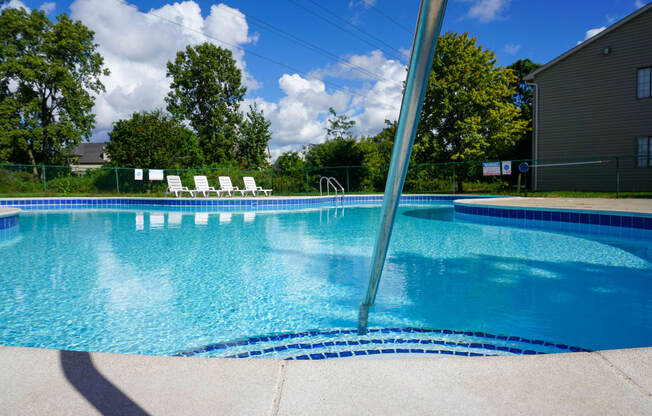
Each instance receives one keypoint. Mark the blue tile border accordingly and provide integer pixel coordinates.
(9, 221)
(621, 220)
(483, 344)
(244, 204)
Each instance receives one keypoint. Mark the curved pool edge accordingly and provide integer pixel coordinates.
(83, 383)
(235, 203)
(531, 211)
(9, 220)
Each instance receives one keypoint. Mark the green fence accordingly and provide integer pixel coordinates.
(598, 173)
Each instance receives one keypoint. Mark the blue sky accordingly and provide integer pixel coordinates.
(136, 43)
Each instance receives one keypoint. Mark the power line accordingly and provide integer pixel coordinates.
(386, 16)
(258, 55)
(307, 44)
(327, 10)
(322, 17)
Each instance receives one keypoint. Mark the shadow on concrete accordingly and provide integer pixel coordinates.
(90, 383)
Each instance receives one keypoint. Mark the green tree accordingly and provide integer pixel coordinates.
(522, 98)
(339, 126)
(376, 156)
(467, 113)
(289, 162)
(153, 140)
(49, 76)
(254, 136)
(206, 91)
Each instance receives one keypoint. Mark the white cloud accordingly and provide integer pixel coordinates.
(592, 32)
(48, 7)
(14, 4)
(639, 4)
(511, 49)
(487, 10)
(299, 118)
(136, 47)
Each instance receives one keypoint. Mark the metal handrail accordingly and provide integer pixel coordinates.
(431, 14)
(332, 182)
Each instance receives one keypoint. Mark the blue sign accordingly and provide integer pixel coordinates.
(523, 167)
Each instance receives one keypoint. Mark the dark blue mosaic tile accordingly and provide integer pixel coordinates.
(331, 355)
(346, 354)
(402, 351)
(388, 351)
(360, 352)
(317, 356)
(302, 357)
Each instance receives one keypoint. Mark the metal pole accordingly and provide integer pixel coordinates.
(454, 179)
(429, 23)
(117, 184)
(45, 186)
(617, 178)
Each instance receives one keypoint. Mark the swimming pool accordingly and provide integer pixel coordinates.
(169, 280)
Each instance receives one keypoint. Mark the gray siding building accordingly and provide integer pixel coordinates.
(592, 103)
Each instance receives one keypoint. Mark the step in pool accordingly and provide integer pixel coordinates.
(345, 343)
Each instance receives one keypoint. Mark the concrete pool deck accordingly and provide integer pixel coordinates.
(640, 206)
(41, 381)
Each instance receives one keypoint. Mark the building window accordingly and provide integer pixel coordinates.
(644, 83)
(644, 145)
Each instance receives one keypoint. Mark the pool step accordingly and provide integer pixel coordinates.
(346, 343)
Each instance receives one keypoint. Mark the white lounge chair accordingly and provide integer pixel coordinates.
(250, 185)
(175, 187)
(201, 186)
(227, 187)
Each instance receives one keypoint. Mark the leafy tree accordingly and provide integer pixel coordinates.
(467, 112)
(206, 91)
(339, 126)
(289, 162)
(254, 136)
(334, 152)
(153, 140)
(522, 98)
(377, 154)
(49, 76)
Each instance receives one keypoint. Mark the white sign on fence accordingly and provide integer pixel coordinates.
(507, 167)
(491, 168)
(156, 174)
(138, 174)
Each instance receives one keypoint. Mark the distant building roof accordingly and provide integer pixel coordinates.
(91, 153)
(608, 30)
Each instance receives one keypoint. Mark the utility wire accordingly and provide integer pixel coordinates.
(386, 16)
(327, 10)
(306, 44)
(364, 32)
(291, 68)
(331, 22)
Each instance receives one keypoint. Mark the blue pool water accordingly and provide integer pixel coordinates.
(157, 281)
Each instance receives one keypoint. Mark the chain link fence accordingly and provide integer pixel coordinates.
(604, 173)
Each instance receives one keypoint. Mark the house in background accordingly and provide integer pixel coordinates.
(91, 156)
(592, 102)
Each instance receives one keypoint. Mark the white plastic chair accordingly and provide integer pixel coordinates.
(202, 186)
(175, 187)
(227, 187)
(250, 185)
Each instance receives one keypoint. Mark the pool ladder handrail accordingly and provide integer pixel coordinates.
(330, 181)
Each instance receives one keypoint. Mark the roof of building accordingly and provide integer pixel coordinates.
(90, 152)
(589, 41)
